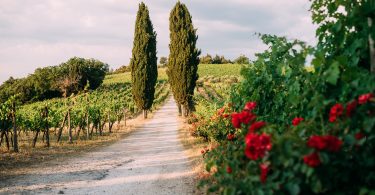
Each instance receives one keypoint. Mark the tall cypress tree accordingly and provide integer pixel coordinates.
(144, 61)
(183, 57)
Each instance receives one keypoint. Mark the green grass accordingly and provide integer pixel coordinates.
(218, 70)
(126, 77)
(215, 70)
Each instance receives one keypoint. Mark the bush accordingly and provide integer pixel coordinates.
(314, 130)
(253, 159)
(53, 81)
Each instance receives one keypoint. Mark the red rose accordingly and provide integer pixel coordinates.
(359, 136)
(350, 107)
(257, 145)
(297, 120)
(362, 99)
(247, 117)
(335, 112)
(229, 169)
(328, 142)
(236, 120)
(312, 160)
(265, 142)
(230, 136)
(249, 106)
(333, 144)
(257, 125)
(243, 117)
(263, 172)
(316, 142)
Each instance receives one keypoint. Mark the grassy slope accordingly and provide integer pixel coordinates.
(203, 70)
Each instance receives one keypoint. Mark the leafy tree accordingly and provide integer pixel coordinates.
(242, 59)
(346, 28)
(217, 60)
(122, 69)
(49, 82)
(183, 57)
(163, 61)
(206, 59)
(144, 61)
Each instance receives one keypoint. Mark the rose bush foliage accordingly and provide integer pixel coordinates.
(296, 130)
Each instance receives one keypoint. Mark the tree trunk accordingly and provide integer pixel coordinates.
(372, 50)
(101, 127)
(62, 127)
(35, 138)
(7, 140)
(43, 136)
(185, 111)
(80, 127)
(1, 137)
(15, 138)
(70, 128)
(92, 129)
(145, 114)
(179, 109)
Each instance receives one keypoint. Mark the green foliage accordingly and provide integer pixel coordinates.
(215, 60)
(184, 56)
(49, 82)
(344, 29)
(279, 76)
(283, 88)
(163, 61)
(126, 77)
(104, 105)
(144, 61)
(122, 69)
(218, 70)
(242, 59)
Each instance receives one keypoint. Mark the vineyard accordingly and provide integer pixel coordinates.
(77, 117)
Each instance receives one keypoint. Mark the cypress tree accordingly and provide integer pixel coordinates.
(183, 57)
(143, 63)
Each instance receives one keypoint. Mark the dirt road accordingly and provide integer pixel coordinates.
(151, 160)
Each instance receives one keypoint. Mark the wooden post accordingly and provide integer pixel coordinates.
(35, 138)
(88, 126)
(15, 138)
(70, 128)
(62, 127)
(179, 109)
(145, 114)
(46, 127)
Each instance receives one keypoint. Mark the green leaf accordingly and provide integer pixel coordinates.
(333, 73)
(293, 188)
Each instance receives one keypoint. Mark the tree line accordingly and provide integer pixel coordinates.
(62, 80)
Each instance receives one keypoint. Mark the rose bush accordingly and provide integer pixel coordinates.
(298, 130)
(261, 161)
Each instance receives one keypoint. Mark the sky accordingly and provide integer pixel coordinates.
(39, 33)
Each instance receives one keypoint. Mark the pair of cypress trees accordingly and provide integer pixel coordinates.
(182, 64)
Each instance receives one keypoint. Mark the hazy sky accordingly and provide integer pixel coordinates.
(37, 33)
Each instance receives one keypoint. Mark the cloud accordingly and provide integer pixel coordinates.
(48, 32)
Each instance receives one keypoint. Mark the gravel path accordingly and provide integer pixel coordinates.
(151, 160)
